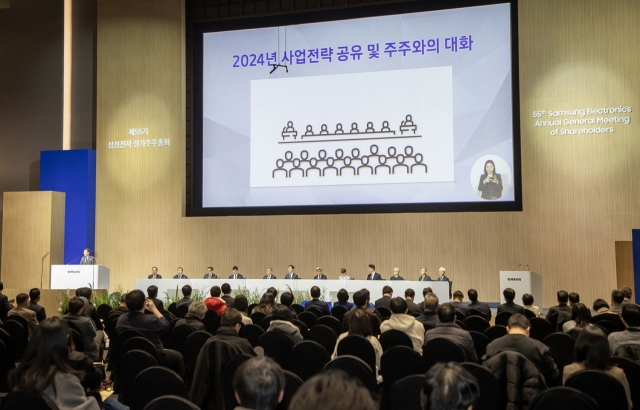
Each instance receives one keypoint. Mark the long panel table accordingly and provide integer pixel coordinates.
(329, 288)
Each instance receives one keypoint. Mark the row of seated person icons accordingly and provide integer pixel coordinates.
(405, 126)
(372, 164)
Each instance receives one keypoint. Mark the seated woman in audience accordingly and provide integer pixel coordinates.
(266, 305)
(194, 316)
(281, 322)
(580, 318)
(343, 300)
(45, 368)
(592, 353)
(360, 325)
(602, 307)
(241, 304)
(527, 301)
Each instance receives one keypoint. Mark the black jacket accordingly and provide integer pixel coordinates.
(318, 304)
(510, 307)
(40, 313)
(384, 301)
(483, 308)
(455, 334)
(229, 300)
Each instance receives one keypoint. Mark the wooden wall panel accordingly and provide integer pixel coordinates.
(579, 191)
(33, 224)
(624, 265)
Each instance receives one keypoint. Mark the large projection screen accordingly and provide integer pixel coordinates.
(377, 109)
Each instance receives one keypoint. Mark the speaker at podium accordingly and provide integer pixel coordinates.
(522, 281)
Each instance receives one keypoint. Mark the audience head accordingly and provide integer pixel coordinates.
(215, 291)
(197, 310)
(425, 291)
(387, 291)
(123, 300)
(315, 292)
(332, 390)
(509, 294)
(231, 318)
(527, 299)
(360, 324)
(259, 384)
(367, 294)
(267, 300)
(22, 300)
(343, 295)
(186, 291)
(599, 304)
(563, 296)
(274, 292)
(226, 289)
(581, 314)
(446, 313)
(448, 386)
(34, 295)
(84, 292)
(282, 313)
(592, 348)
(617, 296)
(287, 299)
(75, 305)
(626, 292)
(472, 294)
(574, 298)
(631, 315)
(398, 305)
(360, 299)
(135, 300)
(152, 291)
(409, 294)
(458, 296)
(518, 324)
(431, 302)
(1, 286)
(241, 303)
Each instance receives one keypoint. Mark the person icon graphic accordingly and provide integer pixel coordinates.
(304, 159)
(408, 125)
(330, 167)
(408, 152)
(339, 129)
(288, 163)
(354, 128)
(313, 162)
(365, 166)
(419, 163)
(400, 165)
(347, 166)
(322, 158)
(289, 131)
(385, 127)
(296, 168)
(370, 127)
(323, 129)
(382, 160)
(279, 168)
(309, 130)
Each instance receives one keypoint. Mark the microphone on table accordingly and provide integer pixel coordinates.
(528, 267)
(517, 266)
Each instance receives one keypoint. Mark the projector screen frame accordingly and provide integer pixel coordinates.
(318, 16)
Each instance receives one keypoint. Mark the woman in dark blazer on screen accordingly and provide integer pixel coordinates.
(490, 183)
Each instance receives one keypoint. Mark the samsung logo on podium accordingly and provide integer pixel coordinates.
(73, 271)
(514, 279)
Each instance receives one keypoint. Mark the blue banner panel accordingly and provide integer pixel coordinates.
(74, 173)
(635, 235)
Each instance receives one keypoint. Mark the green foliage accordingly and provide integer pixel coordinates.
(98, 298)
(64, 302)
(253, 295)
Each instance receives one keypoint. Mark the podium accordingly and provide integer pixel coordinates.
(522, 282)
(77, 276)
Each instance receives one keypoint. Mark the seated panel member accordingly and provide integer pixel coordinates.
(269, 274)
(236, 274)
(290, 273)
(423, 275)
(373, 275)
(343, 275)
(442, 276)
(210, 274)
(154, 274)
(319, 274)
(396, 275)
(180, 274)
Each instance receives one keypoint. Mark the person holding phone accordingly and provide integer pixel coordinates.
(490, 182)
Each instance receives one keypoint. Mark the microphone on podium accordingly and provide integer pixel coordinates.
(516, 268)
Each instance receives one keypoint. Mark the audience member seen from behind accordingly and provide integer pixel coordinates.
(361, 302)
(34, 296)
(5, 306)
(592, 353)
(429, 315)
(456, 301)
(482, 307)
(122, 308)
(266, 305)
(527, 301)
(316, 303)
(448, 386)
(226, 295)
(385, 300)
(359, 325)
(241, 304)
(508, 305)
(152, 292)
(281, 322)
(194, 317)
(574, 298)
(405, 323)
(186, 296)
(259, 384)
(580, 318)
(332, 390)
(343, 300)
(85, 326)
(45, 368)
(626, 293)
(151, 326)
(409, 297)
(616, 301)
(631, 319)
(215, 302)
(22, 310)
(562, 308)
(601, 307)
(230, 324)
(446, 328)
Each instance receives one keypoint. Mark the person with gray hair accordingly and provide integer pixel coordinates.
(194, 316)
(449, 386)
(259, 384)
(429, 315)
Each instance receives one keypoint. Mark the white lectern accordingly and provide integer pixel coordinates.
(522, 282)
(77, 276)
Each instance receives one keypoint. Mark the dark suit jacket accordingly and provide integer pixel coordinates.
(40, 313)
(178, 276)
(320, 277)
(442, 278)
(210, 276)
(374, 318)
(428, 317)
(90, 311)
(562, 309)
(158, 303)
(228, 299)
(453, 333)
(291, 276)
(510, 307)
(460, 307)
(424, 278)
(184, 301)
(239, 276)
(384, 301)
(412, 307)
(396, 278)
(267, 277)
(157, 276)
(374, 276)
(90, 260)
(318, 304)
(483, 308)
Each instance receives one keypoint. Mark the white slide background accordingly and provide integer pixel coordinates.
(424, 93)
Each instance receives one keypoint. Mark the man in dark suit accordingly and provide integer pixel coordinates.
(423, 275)
(154, 274)
(562, 308)
(458, 297)
(186, 296)
(34, 295)
(412, 308)
(230, 323)
(290, 273)
(373, 275)
(447, 329)
(152, 291)
(319, 274)
(226, 295)
(482, 307)
(269, 274)
(429, 315)
(385, 300)
(87, 259)
(316, 303)
(180, 274)
(396, 274)
(236, 274)
(442, 276)
(509, 296)
(210, 274)
(361, 301)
